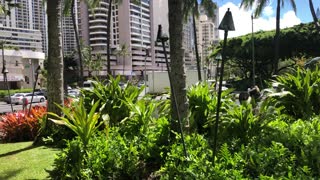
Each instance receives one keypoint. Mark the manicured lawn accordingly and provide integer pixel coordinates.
(24, 161)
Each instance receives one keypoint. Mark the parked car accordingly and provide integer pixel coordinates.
(42, 92)
(73, 93)
(18, 99)
(7, 99)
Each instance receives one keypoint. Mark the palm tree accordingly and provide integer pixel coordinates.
(123, 51)
(69, 6)
(55, 60)
(314, 16)
(258, 11)
(6, 10)
(92, 62)
(177, 63)
(192, 6)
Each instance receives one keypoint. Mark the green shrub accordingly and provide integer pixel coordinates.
(202, 106)
(112, 97)
(19, 126)
(71, 162)
(77, 119)
(13, 91)
(301, 93)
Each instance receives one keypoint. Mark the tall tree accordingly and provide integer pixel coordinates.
(261, 4)
(314, 16)
(123, 51)
(177, 63)
(69, 7)
(55, 60)
(192, 6)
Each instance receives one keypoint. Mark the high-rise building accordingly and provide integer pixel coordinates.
(29, 18)
(130, 28)
(134, 27)
(22, 34)
(207, 32)
(318, 13)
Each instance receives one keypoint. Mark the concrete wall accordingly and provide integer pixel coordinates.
(158, 81)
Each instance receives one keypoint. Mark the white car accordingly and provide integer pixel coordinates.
(18, 99)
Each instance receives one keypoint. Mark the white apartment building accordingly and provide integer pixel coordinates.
(134, 26)
(22, 33)
(207, 32)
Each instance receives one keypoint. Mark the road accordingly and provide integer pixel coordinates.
(4, 107)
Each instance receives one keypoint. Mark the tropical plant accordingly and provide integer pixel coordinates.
(198, 165)
(70, 163)
(192, 6)
(81, 123)
(92, 62)
(300, 93)
(202, 105)
(112, 96)
(18, 126)
(123, 51)
(247, 4)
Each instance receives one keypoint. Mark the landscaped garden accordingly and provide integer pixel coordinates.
(111, 134)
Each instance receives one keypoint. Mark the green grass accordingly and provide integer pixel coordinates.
(24, 161)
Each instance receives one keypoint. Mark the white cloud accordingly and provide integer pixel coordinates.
(268, 11)
(242, 20)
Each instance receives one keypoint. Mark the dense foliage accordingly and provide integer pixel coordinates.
(300, 40)
(258, 138)
(21, 126)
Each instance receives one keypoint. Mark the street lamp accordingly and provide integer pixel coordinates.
(145, 70)
(218, 58)
(38, 71)
(226, 25)
(253, 60)
(5, 72)
(163, 38)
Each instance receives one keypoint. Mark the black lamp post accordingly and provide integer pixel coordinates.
(145, 70)
(226, 25)
(163, 38)
(218, 58)
(5, 77)
(253, 60)
(38, 71)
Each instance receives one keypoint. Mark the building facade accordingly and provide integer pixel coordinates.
(134, 26)
(23, 33)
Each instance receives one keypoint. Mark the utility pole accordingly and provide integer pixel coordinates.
(253, 60)
(145, 71)
(5, 72)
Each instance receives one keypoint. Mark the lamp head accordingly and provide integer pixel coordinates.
(218, 57)
(227, 22)
(159, 35)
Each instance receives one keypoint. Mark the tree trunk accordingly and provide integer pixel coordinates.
(177, 62)
(277, 40)
(109, 37)
(314, 16)
(55, 60)
(196, 45)
(76, 34)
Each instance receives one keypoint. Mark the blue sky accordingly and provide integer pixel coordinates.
(267, 20)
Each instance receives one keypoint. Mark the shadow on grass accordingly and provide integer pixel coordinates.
(18, 151)
(10, 173)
